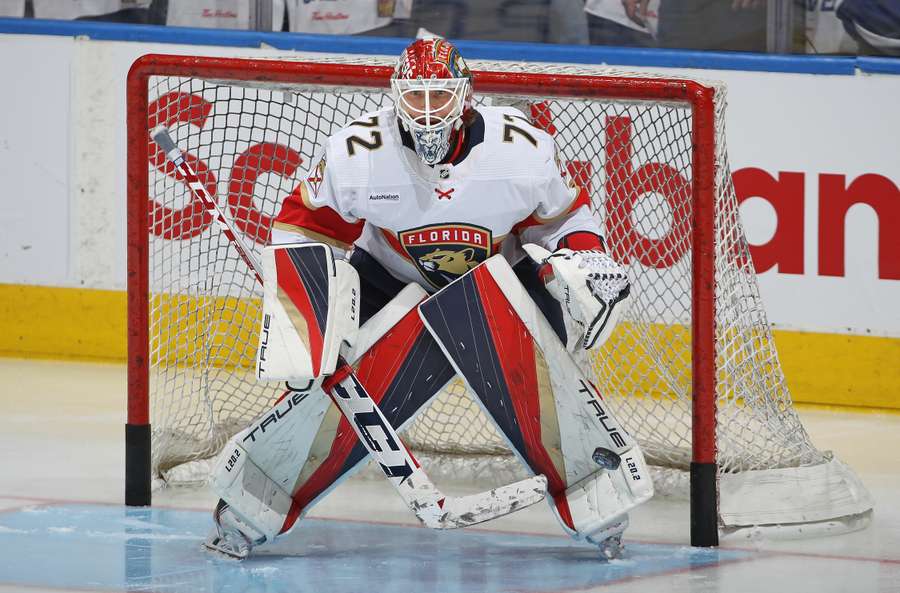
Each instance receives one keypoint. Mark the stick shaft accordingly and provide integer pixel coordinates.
(164, 140)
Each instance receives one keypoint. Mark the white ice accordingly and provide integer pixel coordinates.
(62, 442)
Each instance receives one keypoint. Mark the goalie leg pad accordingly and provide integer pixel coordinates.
(310, 306)
(600, 503)
(552, 417)
(304, 447)
(258, 470)
(257, 500)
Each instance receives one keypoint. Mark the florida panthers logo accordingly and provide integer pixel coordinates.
(444, 252)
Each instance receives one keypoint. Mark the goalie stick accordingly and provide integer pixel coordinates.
(434, 509)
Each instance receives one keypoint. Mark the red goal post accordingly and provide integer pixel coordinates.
(702, 133)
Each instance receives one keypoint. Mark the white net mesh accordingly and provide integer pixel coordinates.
(251, 146)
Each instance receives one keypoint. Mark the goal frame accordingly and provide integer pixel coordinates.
(698, 97)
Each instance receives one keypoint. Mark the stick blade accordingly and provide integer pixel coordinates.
(484, 506)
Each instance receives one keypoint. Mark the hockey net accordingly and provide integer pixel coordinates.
(252, 128)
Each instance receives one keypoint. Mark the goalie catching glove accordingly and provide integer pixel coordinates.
(592, 288)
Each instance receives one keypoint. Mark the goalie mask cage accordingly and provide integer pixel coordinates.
(692, 370)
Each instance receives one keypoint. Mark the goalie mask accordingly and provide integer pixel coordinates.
(432, 89)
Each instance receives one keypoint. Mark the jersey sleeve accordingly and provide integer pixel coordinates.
(563, 216)
(316, 211)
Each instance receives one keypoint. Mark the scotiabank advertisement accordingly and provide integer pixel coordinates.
(818, 187)
(814, 163)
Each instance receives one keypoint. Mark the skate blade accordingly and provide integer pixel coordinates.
(612, 548)
(227, 549)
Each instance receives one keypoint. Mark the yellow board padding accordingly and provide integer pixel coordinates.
(71, 323)
(841, 369)
(205, 331)
(68, 323)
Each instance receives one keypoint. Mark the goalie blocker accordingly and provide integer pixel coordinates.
(552, 418)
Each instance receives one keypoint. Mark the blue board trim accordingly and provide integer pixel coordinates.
(879, 65)
(488, 50)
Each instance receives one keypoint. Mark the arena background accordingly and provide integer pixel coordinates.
(812, 145)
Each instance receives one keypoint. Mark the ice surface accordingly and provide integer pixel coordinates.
(63, 526)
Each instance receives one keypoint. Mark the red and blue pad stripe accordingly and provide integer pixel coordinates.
(303, 276)
(494, 352)
(402, 372)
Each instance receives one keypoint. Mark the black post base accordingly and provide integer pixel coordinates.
(704, 505)
(137, 465)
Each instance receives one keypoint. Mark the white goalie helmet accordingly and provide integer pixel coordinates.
(432, 90)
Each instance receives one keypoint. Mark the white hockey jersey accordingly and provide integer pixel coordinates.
(825, 32)
(219, 14)
(344, 17)
(14, 8)
(614, 10)
(72, 9)
(432, 224)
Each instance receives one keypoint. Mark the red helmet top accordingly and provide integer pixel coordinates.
(432, 90)
(436, 58)
(431, 58)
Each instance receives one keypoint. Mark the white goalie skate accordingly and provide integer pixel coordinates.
(610, 540)
(231, 537)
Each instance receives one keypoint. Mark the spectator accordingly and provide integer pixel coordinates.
(567, 23)
(344, 17)
(874, 24)
(627, 23)
(214, 14)
(737, 25)
(135, 12)
(12, 8)
(825, 32)
(73, 9)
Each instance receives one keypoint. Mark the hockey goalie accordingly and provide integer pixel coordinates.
(432, 240)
